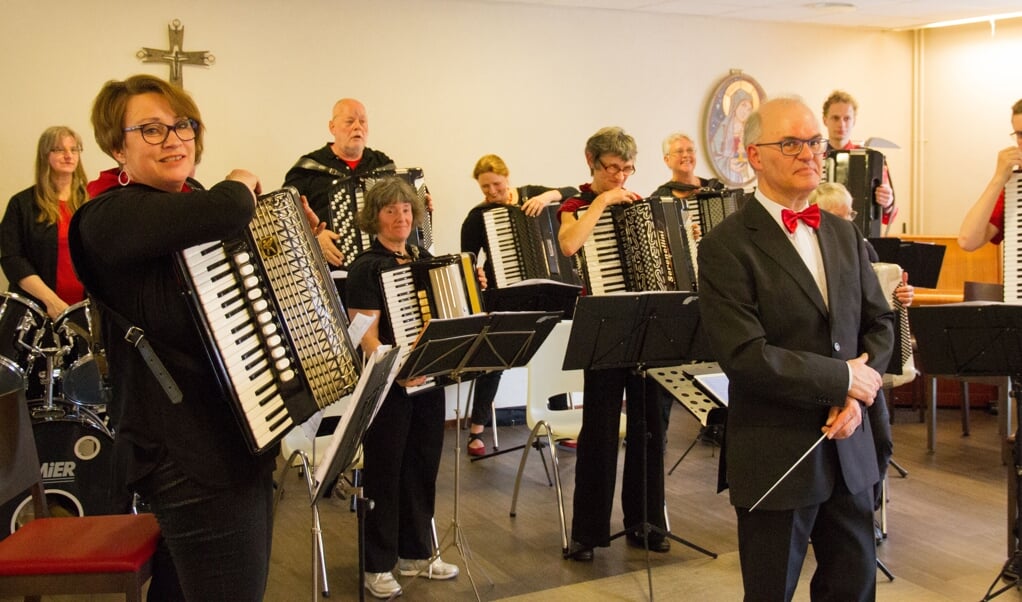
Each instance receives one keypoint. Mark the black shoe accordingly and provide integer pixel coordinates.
(712, 434)
(579, 552)
(657, 543)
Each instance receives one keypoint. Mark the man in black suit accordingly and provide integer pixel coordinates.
(798, 321)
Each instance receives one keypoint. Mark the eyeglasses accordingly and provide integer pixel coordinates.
(60, 151)
(157, 133)
(615, 170)
(1016, 135)
(687, 151)
(792, 147)
(852, 214)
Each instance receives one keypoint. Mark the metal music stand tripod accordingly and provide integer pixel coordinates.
(372, 387)
(476, 343)
(637, 331)
(978, 339)
(529, 295)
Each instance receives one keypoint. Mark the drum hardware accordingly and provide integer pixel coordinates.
(22, 325)
(84, 366)
(48, 409)
(48, 377)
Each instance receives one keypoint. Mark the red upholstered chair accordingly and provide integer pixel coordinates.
(72, 555)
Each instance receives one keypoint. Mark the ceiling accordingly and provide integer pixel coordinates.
(878, 14)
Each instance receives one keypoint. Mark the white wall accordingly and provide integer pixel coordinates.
(444, 82)
(971, 80)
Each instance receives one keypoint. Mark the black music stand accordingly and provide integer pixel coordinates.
(534, 295)
(477, 343)
(637, 331)
(369, 393)
(922, 260)
(977, 339)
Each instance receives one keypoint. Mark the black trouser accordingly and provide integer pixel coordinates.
(772, 547)
(402, 456)
(216, 541)
(880, 423)
(484, 393)
(596, 463)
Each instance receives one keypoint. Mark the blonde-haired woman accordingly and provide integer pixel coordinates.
(34, 254)
(492, 176)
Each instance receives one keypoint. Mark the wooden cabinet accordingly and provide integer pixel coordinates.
(981, 265)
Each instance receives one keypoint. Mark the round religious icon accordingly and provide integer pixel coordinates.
(733, 100)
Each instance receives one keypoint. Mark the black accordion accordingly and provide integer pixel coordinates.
(273, 323)
(704, 211)
(520, 247)
(638, 247)
(709, 207)
(347, 197)
(861, 170)
(437, 287)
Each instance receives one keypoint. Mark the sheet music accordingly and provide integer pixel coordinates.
(358, 327)
(714, 384)
(382, 353)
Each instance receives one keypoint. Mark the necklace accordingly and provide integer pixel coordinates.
(402, 255)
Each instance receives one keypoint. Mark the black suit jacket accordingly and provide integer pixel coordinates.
(784, 352)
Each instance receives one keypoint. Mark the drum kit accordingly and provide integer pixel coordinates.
(62, 367)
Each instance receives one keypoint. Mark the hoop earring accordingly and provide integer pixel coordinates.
(126, 180)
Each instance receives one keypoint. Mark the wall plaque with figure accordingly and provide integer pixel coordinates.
(737, 96)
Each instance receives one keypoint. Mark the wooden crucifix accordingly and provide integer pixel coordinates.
(175, 56)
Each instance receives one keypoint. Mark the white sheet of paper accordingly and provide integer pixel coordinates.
(358, 327)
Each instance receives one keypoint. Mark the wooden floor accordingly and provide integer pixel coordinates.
(947, 528)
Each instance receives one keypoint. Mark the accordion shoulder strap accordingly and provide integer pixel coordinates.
(313, 165)
(136, 336)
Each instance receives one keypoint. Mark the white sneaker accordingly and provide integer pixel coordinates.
(382, 585)
(438, 569)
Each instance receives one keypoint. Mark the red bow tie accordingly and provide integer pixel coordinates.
(810, 215)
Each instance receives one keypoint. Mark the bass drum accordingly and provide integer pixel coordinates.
(76, 460)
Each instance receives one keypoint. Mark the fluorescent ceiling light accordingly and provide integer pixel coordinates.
(832, 7)
(972, 20)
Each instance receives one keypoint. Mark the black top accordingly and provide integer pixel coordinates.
(315, 183)
(123, 244)
(363, 288)
(27, 246)
(473, 230)
(666, 188)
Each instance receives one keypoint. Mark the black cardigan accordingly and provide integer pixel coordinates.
(27, 246)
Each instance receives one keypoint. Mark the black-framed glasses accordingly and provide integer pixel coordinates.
(157, 133)
(793, 146)
(615, 170)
